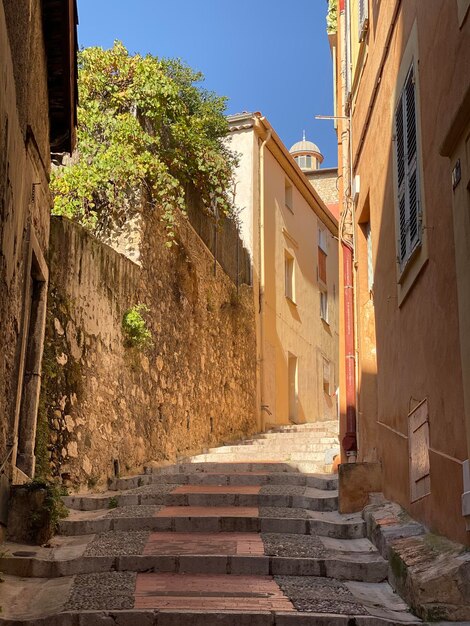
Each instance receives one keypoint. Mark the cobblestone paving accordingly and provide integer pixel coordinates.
(111, 590)
(118, 543)
(294, 546)
(319, 595)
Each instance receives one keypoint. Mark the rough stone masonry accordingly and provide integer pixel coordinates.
(108, 406)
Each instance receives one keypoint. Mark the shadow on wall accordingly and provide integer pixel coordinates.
(105, 401)
(409, 346)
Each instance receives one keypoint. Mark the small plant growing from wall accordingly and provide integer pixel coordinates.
(135, 328)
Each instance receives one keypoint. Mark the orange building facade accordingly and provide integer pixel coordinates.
(402, 88)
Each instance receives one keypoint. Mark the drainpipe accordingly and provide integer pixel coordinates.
(264, 406)
(349, 441)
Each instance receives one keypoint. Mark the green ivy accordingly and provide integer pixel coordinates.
(135, 328)
(144, 124)
(332, 17)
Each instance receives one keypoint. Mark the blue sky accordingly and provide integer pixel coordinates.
(270, 56)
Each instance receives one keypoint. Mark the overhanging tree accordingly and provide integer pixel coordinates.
(144, 123)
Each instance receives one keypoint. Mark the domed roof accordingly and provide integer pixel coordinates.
(305, 146)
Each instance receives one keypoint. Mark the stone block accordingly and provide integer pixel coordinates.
(194, 564)
(258, 565)
(134, 618)
(29, 517)
(146, 563)
(355, 482)
(283, 566)
(221, 618)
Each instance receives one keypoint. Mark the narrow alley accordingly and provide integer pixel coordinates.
(234, 313)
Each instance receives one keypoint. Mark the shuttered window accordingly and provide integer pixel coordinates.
(322, 254)
(363, 18)
(406, 149)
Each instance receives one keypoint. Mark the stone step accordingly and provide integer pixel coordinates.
(219, 466)
(309, 426)
(320, 481)
(212, 496)
(273, 447)
(168, 599)
(361, 567)
(214, 520)
(258, 456)
(321, 438)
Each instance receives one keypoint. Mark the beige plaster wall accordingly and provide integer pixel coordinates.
(195, 387)
(245, 184)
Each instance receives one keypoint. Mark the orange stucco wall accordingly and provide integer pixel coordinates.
(408, 328)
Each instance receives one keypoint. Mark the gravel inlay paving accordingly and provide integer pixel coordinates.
(118, 543)
(319, 595)
(293, 546)
(156, 489)
(137, 510)
(283, 490)
(110, 591)
(283, 512)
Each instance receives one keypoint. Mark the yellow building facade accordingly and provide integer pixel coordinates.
(292, 238)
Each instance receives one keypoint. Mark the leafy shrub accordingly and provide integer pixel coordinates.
(135, 328)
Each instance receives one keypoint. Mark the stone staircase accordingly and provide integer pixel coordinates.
(306, 447)
(229, 540)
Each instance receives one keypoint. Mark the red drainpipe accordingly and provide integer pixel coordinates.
(349, 441)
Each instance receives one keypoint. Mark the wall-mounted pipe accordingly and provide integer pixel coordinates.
(349, 440)
(263, 407)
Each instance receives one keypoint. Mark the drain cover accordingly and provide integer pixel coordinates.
(24, 553)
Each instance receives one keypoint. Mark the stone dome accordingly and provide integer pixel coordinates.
(307, 154)
(305, 146)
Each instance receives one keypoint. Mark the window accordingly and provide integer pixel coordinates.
(370, 260)
(308, 162)
(406, 152)
(322, 240)
(363, 18)
(289, 276)
(322, 254)
(324, 306)
(288, 195)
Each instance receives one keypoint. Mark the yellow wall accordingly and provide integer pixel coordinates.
(289, 328)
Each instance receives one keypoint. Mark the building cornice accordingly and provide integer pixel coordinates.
(292, 169)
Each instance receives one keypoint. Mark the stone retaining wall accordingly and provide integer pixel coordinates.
(107, 406)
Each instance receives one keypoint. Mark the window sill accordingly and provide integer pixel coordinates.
(409, 273)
